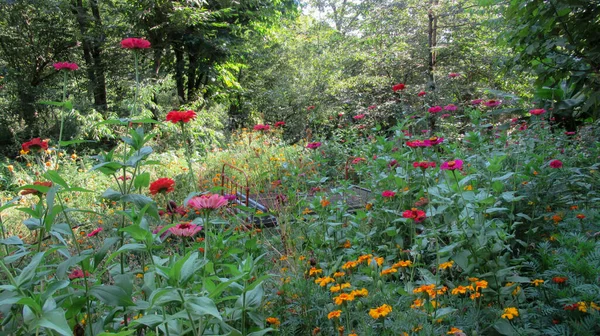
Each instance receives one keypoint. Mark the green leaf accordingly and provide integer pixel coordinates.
(142, 180)
(66, 143)
(138, 233)
(55, 320)
(504, 328)
(111, 295)
(203, 306)
(262, 332)
(29, 271)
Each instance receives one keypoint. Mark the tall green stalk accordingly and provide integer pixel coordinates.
(62, 114)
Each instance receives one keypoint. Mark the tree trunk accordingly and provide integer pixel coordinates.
(432, 42)
(179, 67)
(99, 69)
(81, 15)
(191, 75)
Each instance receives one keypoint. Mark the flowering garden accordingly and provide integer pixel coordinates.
(461, 217)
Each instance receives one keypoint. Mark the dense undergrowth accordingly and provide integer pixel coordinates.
(477, 220)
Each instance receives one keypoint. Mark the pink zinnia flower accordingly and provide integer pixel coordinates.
(208, 202)
(359, 117)
(556, 164)
(388, 194)
(421, 93)
(450, 107)
(570, 133)
(523, 127)
(452, 165)
(230, 197)
(537, 111)
(185, 229)
(445, 115)
(476, 101)
(492, 103)
(313, 145)
(435, 109)
(261, 127)
(95, 232)
(424, 165)
(372, 107)
(433, 141)
(453, 75)
(312, 107)
(135, 43)
(279, 124)
(393, 163)
(65, 66)
(398, 87)
(78, 273)
(417, 143)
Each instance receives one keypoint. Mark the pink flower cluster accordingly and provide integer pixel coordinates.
(424, 165)
(414, 214)
(135, 43)
(261, 127)
(313, 145)
(65, 66)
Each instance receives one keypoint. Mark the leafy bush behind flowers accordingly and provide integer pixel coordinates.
(490, 233)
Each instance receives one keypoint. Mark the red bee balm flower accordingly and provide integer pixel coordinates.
(162, 185)
(135, 43)
(185, 229)
(35, 144)
(388, 194)
(65, 66)
(181, 116)
(452, 165)
(313, 145)
(556, 164)
(434, 109)
(398, 87)
(414, 214)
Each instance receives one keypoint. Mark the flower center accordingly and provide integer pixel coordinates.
(451, 163)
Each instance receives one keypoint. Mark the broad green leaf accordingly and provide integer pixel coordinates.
(112, 295)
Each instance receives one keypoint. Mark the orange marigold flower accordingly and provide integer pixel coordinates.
(380, 311)
(274, 321)
(446, 265)
(344, 297)
(350, 265)
(416, 304)
(314, 271)
(510, 313)
(334, 314)
(580, 216)
(389, 271)
(537, 282)
(454, 331)
(556, 218)
(324, 281)
(459, 290)
(481, 284)
(338, 274)
(325, 202)
(559, 280)
(363, 258)
(402, 263)
(360, 292)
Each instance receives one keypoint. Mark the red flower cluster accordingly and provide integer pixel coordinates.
(135, 43)
(279, 124)
(424, 165)
(434, 109)
(453, 75)
(398, 87)
(358, 160)
(181, 116)
(574, 306)
(393, 163)
(556, 164)
(310, 108)
(313, 145)
(65, 66)
(78, 273)
(162, 185)
(559, 280)
(388, 194)
(261, 127)
(421, 93)
(359, 117)
(414, 214)
(35, 144)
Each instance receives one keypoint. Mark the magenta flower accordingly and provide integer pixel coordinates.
(359, 117)
(388, 194)
(421, 93)
(313, 145)
(358, 160)
(279, 124)
(185, 229)
(207, 202)
(452, 165)
(453, 75)
(435, 109)
(433, 141)
(135, 43)
(570, 133)
(415, 214)
(65, 66)
(78, 274)
(230, 197)
(445, 115)
(393, 163)
(537, 111)
(418, 143)
(312, 107)
(372, 107)
(492, 103)
(450, 107)
(476, 101)
(261, 127)
(556, 164)
(95, 232)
